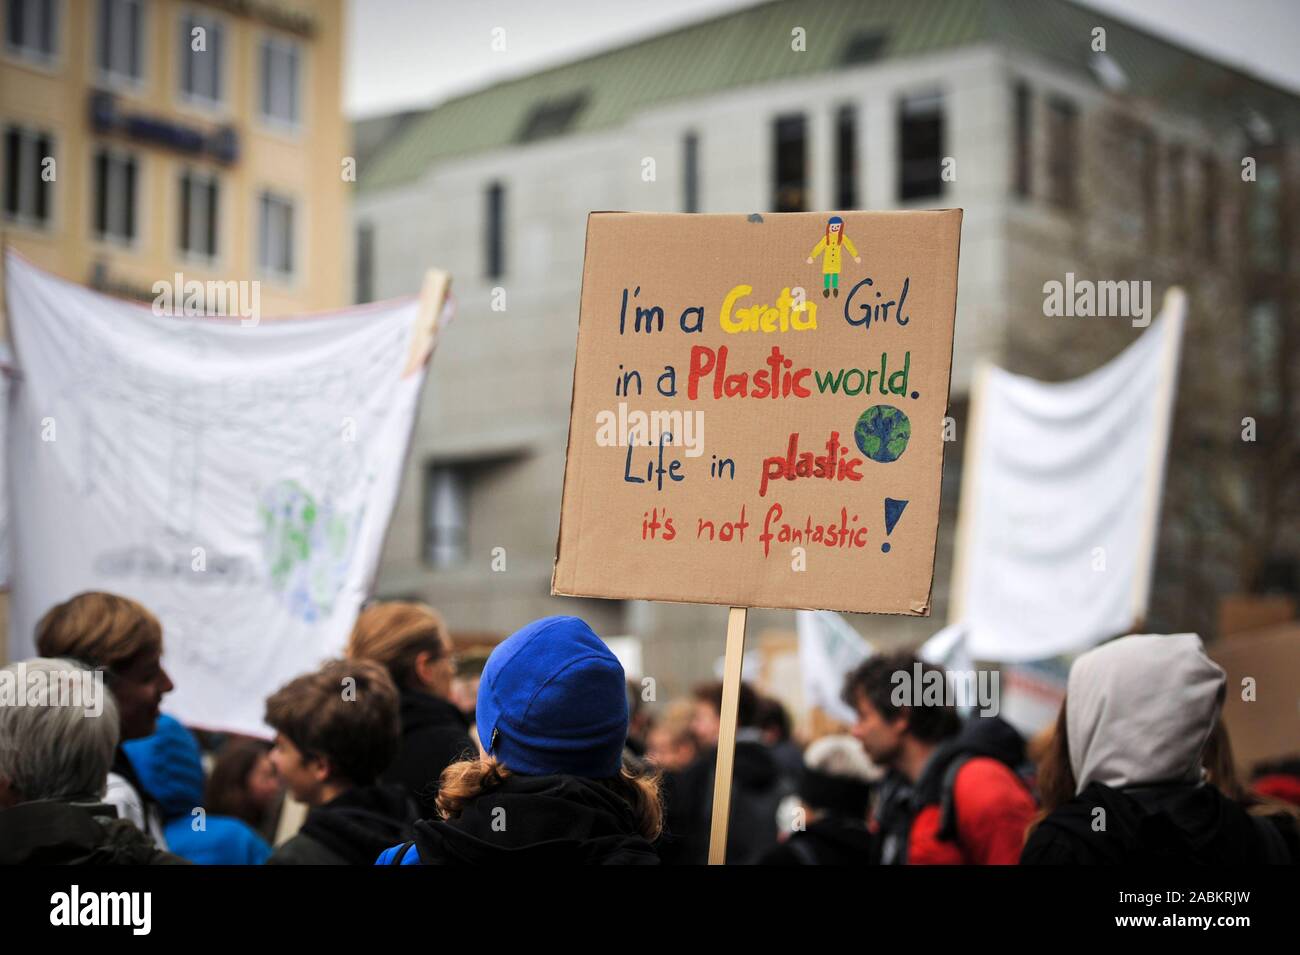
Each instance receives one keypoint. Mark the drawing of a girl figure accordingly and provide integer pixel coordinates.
(829, 248)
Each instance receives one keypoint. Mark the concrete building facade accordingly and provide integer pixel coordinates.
(1003, 108)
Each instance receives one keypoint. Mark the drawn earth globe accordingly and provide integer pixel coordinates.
(882, 433)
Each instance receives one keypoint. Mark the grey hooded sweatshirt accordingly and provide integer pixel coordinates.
(1140, 710)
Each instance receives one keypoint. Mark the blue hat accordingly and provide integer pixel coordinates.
(553, 700)
(169, 765)
(835, 220)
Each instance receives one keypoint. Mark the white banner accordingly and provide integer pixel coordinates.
(6, 372)
(237, 479)
(829, 650)
(1060, 501)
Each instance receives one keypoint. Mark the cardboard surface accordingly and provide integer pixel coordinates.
(1263, 719)
(718, 511)
(1242, 613)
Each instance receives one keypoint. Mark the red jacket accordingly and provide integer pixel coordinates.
(993, 811)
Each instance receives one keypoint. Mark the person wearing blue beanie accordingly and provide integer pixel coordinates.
(551, 786)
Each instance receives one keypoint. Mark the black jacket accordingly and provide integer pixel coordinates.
(351, 829)
(48, 832)
(757, 788)
(434, 735)
(1167, 825)
(831, 840)
(538, 820)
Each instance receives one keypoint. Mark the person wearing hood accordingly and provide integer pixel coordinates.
(552, 786)
(336, 732)
(170, 766)
(1123, 782)
(952, 795)
(55, 754)
(410, 640)
(125, 640)
(835, 788)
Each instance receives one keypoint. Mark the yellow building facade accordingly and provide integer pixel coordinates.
(141, 138)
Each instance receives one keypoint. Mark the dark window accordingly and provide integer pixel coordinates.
(1178, 196)
(551, 117)
(275, 247)
(446, 516)
(280, 60)
(494, 231)
(40, 185)
(115, 192)
(1148, 176)
(13, 171)
(1062, 153)
(846, 158)
(31, 27)
(790, 164)
(1210, 207)
(1266, 344)
(26, 191)
(365, 262)
(863, 48)
(121, 23)
(201, 70)
(1263, 216)
(691, 173)
(198, 209)
(920, 147)
(1024, 141)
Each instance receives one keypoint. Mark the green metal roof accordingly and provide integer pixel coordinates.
(752, 46)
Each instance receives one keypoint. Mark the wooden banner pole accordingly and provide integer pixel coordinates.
(433, 295)
(731, 672)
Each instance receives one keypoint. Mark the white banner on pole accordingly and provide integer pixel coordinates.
(6, 373)
(1061, 498)
(829, 650)
(236, 479)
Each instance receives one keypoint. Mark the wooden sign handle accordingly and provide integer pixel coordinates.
(731, 672)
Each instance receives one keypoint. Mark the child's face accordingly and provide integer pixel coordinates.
(264, 784)
(835, 227)
(304, 776)
(705, 723)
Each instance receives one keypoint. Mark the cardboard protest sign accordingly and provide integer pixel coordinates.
(758, 409)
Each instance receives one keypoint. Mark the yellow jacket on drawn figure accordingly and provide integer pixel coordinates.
(831, 261)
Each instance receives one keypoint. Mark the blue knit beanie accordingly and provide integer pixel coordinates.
(553, 700)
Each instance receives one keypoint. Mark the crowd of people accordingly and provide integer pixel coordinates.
(559, 760)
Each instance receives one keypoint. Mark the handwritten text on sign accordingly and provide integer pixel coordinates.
(758, 409)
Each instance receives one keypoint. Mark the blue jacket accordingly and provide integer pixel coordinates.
(170, 768)
(412, 856)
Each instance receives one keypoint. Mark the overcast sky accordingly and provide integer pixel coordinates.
(406, 53)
